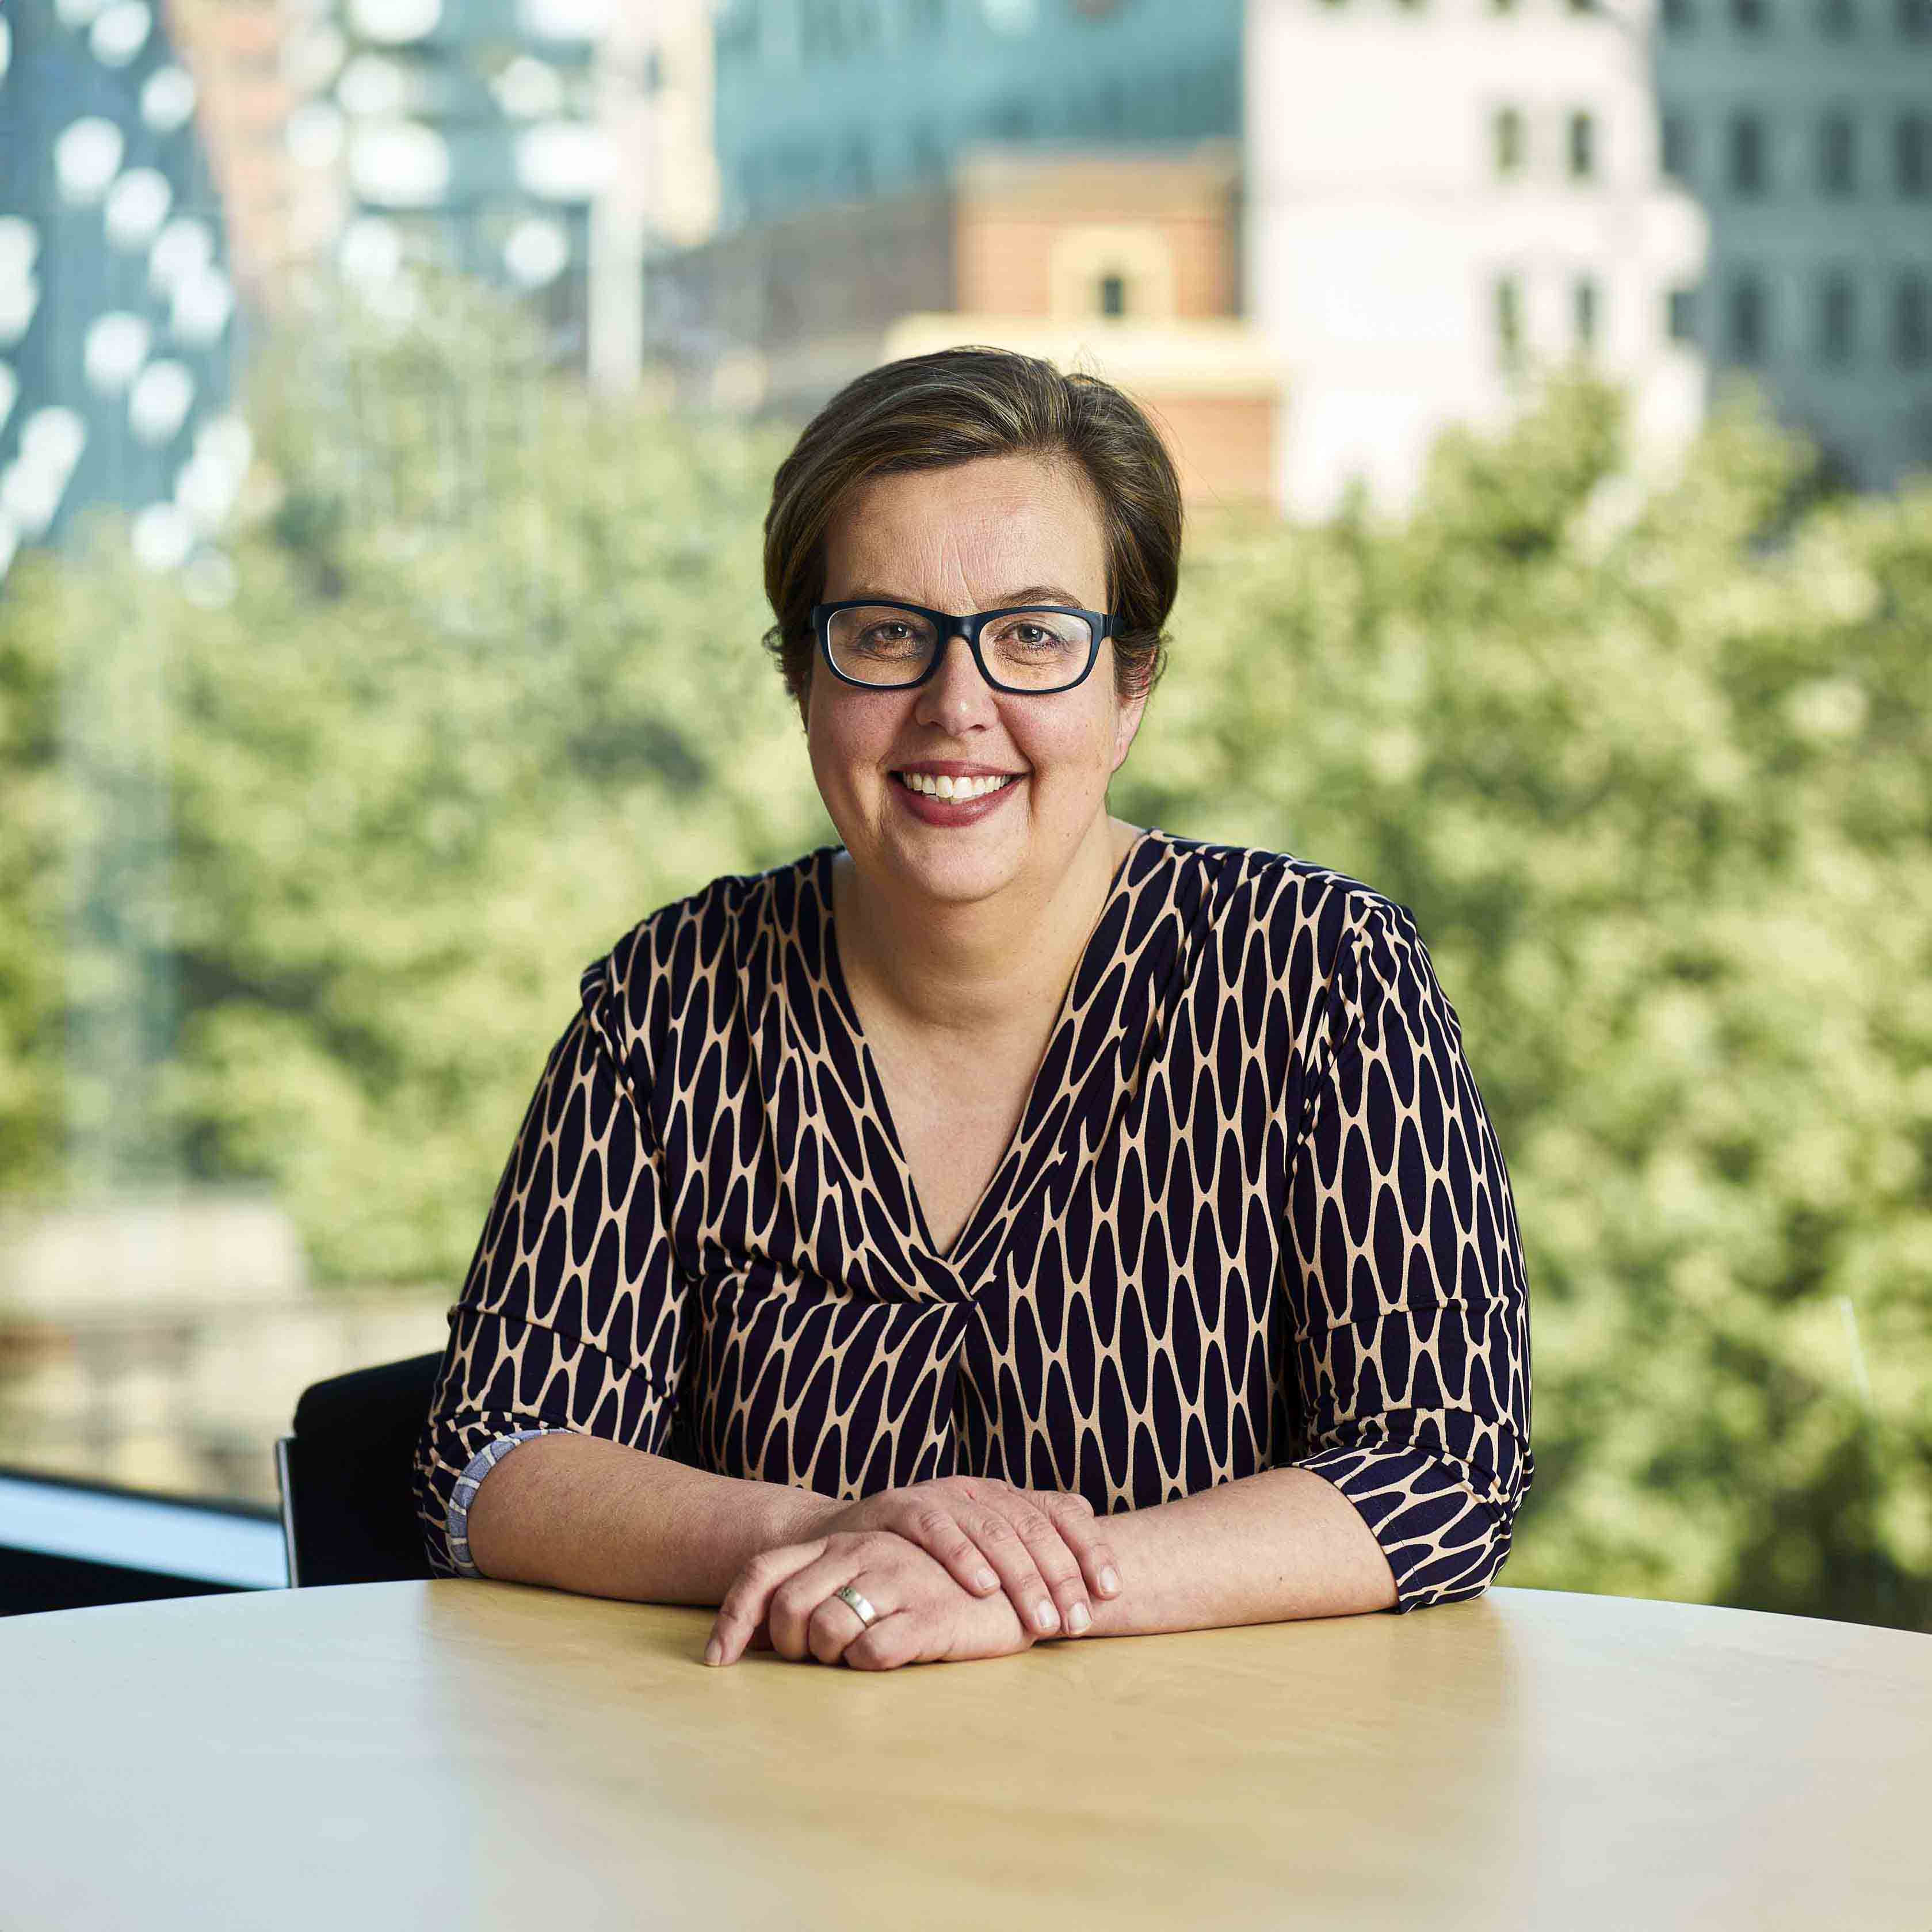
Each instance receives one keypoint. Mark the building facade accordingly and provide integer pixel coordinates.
(1804, 128)
(1121, 261)
(824, 101)
(1444, 198)
(119, 322)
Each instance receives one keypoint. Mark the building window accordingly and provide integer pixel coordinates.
(1748, 16)
(1680, 315)
(1747, 155)
(1914, 19)
(1837, 155)
(1911, 322)
(1838, 318)
(1674, 131)
(1509, 321)
(1909, 155)
(1510, 140)
(1583, 146)
(1837, 19)
(1113, 295)
(1677, 16)
(1750, 322)
(1585, 305)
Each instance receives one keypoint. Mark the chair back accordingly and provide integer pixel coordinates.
(348, 1505)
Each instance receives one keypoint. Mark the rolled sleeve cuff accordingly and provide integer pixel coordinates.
(464, 1493)
(1442, 1541)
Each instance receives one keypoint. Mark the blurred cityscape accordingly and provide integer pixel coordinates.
(1310, 235)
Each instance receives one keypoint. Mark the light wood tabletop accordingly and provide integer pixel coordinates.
(483, 1755)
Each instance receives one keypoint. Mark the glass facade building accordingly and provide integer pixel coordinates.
(827, 100)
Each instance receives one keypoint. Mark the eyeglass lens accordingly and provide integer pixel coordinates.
(886, 644)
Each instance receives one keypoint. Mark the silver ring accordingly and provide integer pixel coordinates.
(866, 1614)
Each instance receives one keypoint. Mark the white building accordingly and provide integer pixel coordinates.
(1804, 128)
(1443, 196)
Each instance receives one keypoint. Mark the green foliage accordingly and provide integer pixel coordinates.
(1660, 793)
(1653, 770)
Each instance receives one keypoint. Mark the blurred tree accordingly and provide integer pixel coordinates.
(1653, 771)
(1656, 778)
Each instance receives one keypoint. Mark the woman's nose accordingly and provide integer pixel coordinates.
(957, 679)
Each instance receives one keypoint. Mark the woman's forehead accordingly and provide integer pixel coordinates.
(1020, 519)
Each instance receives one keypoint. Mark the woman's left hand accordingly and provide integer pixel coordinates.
(785, 1595)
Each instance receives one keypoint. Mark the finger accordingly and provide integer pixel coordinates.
(935, 1526)
(1073, 1515)
(1011, 1556)
(891, 1642)
(835, 1623)
(796, 1601)
(1058, 1565)
(747, 1603)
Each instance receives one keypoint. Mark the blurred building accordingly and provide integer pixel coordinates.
(540, 144)
(235, 49)
(1122, 261)
(1805, 132)
(825, 101)
(1442, 198)
(119, 324)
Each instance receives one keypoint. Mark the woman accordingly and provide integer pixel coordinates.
(1010, 1222)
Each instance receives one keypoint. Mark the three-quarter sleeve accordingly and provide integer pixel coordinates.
(573, 1313)
(1410, 1315)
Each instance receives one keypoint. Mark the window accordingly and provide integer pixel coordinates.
(1508, 300)
(1837, 155)
(1582, 147)
(1674, 133)
(1837, 321)
(1750, 319)
(1113, 295)
(1680, 315)
(1676, 16)
(1748, 16)
(1585, 305)
(1509, 141)
(1914, 19)
(1837, 19)
(1909, 155)
(1911, 322)
(1747, 169)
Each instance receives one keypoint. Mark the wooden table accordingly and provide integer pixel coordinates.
(480, 1755)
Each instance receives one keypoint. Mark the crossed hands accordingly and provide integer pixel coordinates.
(956, 1568)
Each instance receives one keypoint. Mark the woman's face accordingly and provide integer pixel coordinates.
(976, 536)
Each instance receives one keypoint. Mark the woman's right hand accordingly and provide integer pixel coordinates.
(1043, 1547)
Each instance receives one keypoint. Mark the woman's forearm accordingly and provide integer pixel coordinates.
(1268, 1548)
(581, 1514)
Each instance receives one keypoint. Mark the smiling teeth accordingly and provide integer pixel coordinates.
(953, 787)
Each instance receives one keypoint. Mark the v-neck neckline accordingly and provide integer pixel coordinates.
(835, 972)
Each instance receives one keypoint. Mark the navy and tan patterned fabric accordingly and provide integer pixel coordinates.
(1254, 1215)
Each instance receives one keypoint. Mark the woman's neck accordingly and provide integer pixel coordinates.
(979, 972)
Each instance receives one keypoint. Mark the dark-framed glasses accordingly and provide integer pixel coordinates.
(1030, 648)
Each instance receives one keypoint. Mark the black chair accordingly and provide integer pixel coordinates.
(348, 1511)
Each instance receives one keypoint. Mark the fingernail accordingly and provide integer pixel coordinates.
(1046, 1616)
(1110, 1580)
(985, 1580)
(713, 1651)
(1077, 1619)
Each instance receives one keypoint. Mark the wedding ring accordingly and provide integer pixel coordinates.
(866, 1614)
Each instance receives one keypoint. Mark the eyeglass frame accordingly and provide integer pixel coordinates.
(1100, 622)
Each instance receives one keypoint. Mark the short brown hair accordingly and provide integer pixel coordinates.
(953, 406)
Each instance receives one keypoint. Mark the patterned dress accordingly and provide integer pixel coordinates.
(1254, 1216)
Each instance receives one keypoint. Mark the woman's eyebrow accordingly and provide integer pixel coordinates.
(1032, 593)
